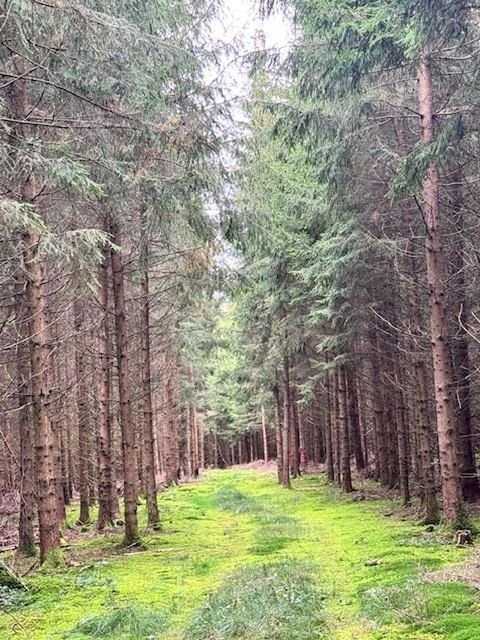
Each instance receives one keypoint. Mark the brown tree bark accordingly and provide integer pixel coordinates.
(170, 423)
(82, 417)
(328, 429)
(53, 409)
(286, 423)
(302, 449)
(402, 443)
(343, 428)
(436, 277)
(294, 432)
(104, 435)
(278, 432)
(26, 537)
(128, 445)
(380, 427)
(264, 436)
(49, 532)
(354, 421)
(429, 497)
(148, 431)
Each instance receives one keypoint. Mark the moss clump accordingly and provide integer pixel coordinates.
(53, 559)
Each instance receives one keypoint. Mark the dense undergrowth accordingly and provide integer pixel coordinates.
(240, 558)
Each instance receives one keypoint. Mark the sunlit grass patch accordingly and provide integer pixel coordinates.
(279, 601)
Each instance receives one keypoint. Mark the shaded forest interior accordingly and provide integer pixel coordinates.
(212, 256)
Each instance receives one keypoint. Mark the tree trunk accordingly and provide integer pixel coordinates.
(49, 532)
(380, 429)
(286, 424)
(53, 409)
(402, 442)
(343, 428)
(170, 423)
(264, 436)
(82, 409)
(148, 431)
(294, 436)
(436, 277)
(328, 429)
(26, 538)
(429, 497)
(104, 436)
(278, 432)
(126, 425)
(354, 421)
(301, 441)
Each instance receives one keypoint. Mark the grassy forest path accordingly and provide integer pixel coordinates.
(241, 558)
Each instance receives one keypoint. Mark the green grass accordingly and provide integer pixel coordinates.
(366, 569)
(278, 601)
(122, 623)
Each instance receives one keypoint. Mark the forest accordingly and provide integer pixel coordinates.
(239, 319)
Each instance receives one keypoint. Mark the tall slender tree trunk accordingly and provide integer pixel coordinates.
(354, 421)
(63, 455)
(402, 443)
(170, 422)
(104, 436)
(286, 423)
(302, 449)
(53, 382)
(380, 427)
(26, 537)
(294, 433)
(195, 462)
(343, 428)
(278, 432)
(329, 429)
(49, 531)
(82, 409)
(264, 436)
(429, 497)
(148, 431)
(436, 277)
(126, 424)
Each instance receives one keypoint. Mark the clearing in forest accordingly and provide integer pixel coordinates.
(241, 558)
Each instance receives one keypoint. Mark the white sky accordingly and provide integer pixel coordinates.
(239, 21)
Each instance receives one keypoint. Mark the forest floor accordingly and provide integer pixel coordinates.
(240, 558)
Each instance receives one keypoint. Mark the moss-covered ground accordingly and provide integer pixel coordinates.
(241, 558)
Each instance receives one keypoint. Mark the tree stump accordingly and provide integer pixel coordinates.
(464, 538)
